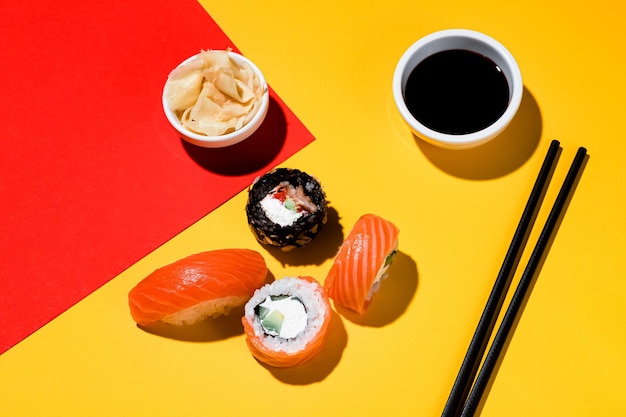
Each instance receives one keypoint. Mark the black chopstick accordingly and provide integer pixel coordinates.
(519, 295)
(469, 367)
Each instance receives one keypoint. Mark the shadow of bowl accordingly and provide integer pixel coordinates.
(250, 155)
(498, 157)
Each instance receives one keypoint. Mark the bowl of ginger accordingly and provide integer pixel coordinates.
(215, 98)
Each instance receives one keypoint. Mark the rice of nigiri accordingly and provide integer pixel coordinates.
(206, 284)
(362, 262)
(305, 337)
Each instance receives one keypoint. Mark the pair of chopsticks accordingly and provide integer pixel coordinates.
(468, 389)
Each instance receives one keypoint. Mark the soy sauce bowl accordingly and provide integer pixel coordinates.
(443, 127)
(230, 138)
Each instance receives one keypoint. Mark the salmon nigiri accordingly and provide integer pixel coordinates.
(286, 322)
(207, 284)
(362, 262)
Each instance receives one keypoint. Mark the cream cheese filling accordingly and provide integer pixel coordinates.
(276, 211)
(282, 316)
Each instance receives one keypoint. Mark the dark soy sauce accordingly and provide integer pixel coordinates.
(457, 92)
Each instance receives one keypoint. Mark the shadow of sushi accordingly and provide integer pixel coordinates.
(318, 368)
(392, 299)
(323, 247)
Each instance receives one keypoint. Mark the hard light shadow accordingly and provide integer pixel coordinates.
(318, 368)
(249, 155)
(498, 157)
(534, 278)
(392, 299)
(324, 246)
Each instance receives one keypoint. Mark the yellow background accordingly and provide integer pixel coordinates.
(332, 63)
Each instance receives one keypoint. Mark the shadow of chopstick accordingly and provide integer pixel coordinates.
(483, 384)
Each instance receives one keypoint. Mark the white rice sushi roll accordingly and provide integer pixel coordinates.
(286, 322)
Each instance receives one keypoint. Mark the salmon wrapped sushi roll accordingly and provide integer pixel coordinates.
(207, 284)
(286, 322)
(362, 262)
(286, 208)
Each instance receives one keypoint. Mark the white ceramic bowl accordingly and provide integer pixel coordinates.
(229, 138)
(466, 40)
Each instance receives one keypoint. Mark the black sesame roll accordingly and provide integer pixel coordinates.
(304, 228)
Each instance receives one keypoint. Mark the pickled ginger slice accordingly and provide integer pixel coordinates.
(183, 87)
(236, 89)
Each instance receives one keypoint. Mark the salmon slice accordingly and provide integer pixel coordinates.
(207, 284)
(362, 262)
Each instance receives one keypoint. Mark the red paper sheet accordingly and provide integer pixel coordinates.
(92, 176)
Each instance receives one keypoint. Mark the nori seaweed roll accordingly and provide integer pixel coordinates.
(286, 208)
